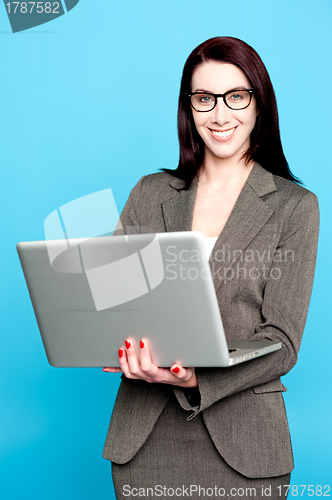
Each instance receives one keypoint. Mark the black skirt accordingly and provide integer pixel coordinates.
(179, 460)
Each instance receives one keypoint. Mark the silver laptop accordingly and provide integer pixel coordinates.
(89, 295)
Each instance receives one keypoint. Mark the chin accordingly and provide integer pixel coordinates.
(226, 155)
(227, 152)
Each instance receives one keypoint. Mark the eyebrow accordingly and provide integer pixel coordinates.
(239, 87)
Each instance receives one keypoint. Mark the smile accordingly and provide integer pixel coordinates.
(224, 133)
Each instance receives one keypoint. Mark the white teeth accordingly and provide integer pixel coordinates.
(226, 133)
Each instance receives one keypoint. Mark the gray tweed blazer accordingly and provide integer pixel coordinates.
(263, 268)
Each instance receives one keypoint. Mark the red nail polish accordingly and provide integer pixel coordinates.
(120, 353)
(128, 344)
(176, 369)
(141, 344)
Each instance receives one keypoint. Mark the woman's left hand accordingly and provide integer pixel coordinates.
(146, 370)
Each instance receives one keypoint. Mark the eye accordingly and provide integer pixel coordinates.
(236, 96)
(204, 98)
(203, 101)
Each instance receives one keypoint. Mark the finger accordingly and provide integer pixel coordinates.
(112, 370)
(178, 371)
(132, 359)
(147, 365)
(181, 373)
(124, 363)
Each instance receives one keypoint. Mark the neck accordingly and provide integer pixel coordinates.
(222, 172)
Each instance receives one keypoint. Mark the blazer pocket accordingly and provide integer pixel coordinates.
(272, 386)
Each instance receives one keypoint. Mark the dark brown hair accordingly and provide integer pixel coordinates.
(265, 143)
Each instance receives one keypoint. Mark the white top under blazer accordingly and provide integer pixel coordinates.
(209, 242)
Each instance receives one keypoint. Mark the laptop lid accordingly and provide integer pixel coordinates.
(90, 295)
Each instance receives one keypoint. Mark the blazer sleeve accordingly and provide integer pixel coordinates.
(284, 310)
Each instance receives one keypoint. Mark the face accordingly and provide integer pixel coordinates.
(225, 132)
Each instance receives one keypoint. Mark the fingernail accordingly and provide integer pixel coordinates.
(105, 370)
(120, 353)
(176, 369)
(128, 344)
(141, 344)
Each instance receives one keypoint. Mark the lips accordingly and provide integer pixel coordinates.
(222, 135)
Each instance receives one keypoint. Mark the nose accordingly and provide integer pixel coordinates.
(220, 114)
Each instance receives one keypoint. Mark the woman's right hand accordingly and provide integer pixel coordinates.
(145, 369)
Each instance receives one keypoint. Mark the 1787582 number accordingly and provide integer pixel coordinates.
(299, 490)
(29, 7)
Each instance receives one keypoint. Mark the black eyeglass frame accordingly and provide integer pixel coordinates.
(251, 91)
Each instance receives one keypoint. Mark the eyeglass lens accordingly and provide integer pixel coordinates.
(238, 99)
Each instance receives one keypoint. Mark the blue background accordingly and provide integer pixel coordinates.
(88, 101)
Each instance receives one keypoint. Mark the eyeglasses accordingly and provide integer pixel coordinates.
(234, 99)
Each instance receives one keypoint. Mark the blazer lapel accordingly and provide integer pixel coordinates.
(178, 211)
(249, 215)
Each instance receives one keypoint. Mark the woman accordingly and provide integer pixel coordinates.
(221, 432)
